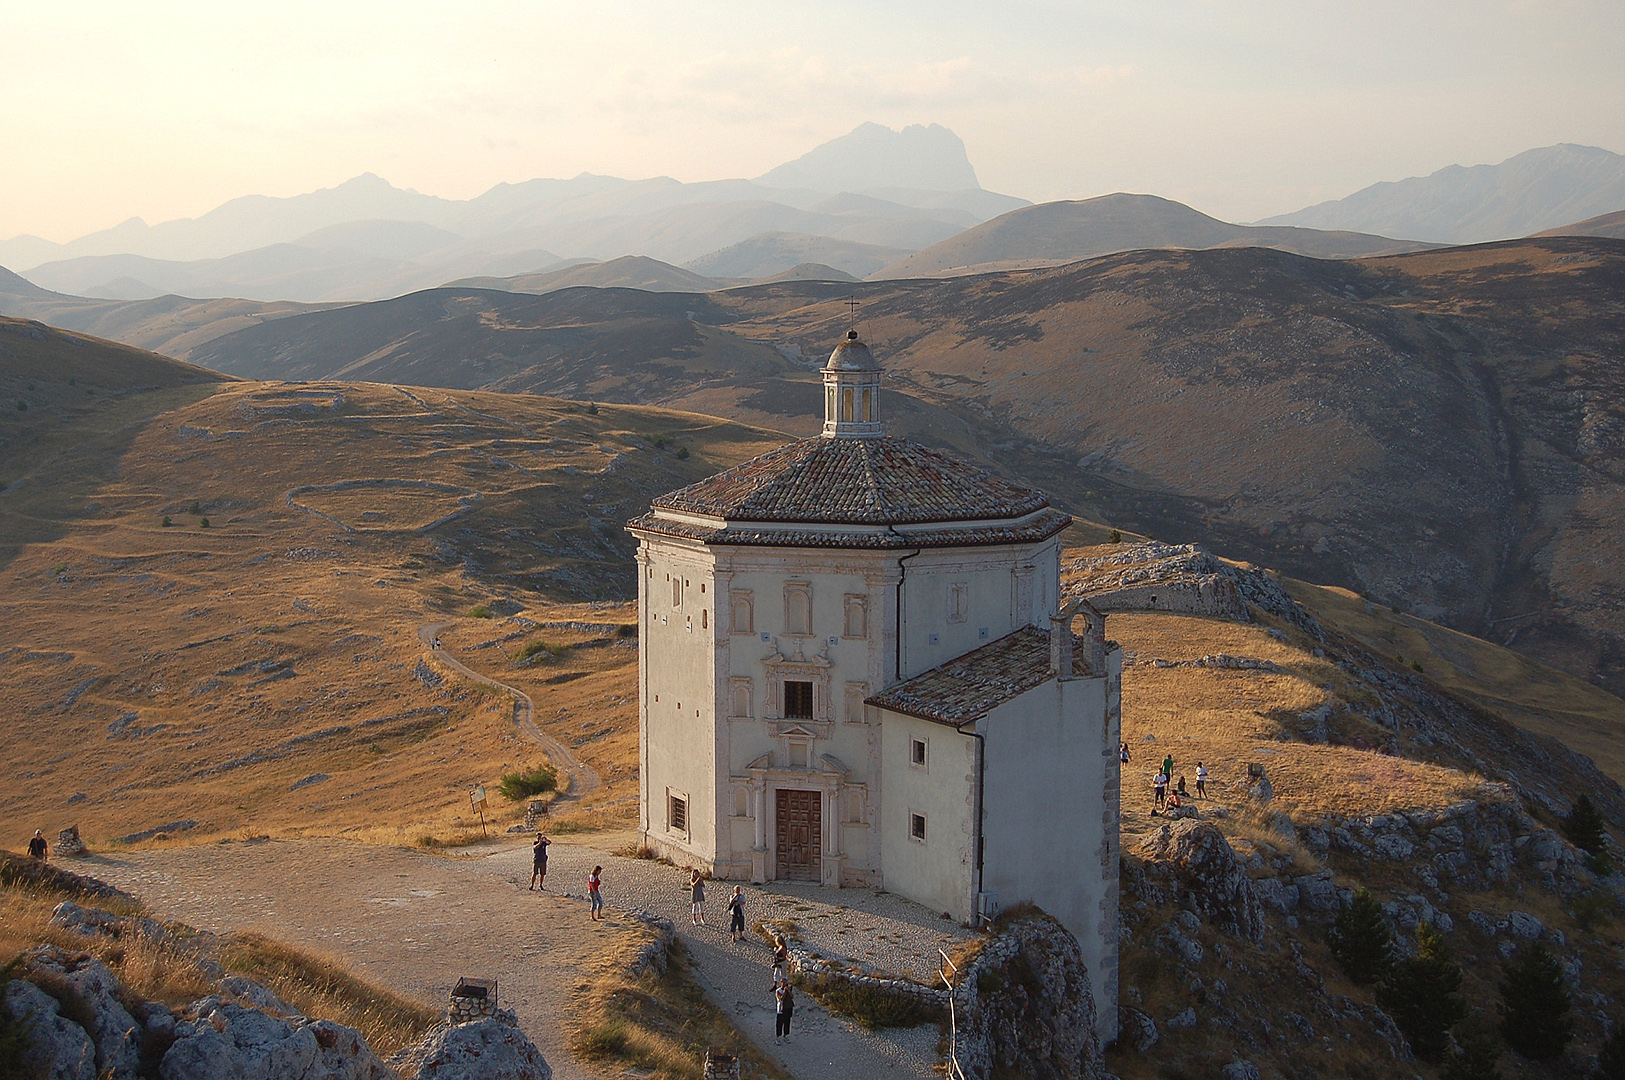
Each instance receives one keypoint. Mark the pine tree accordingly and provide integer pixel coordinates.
(1587, 830)
(1535, 1005)
(1477, 1052)
(1611, 1060)
(1360, 941)
(1421, 994)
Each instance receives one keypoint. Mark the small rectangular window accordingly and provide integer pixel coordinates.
(676, 592)
(676, 813)
(798, 699)
(916, 827)
(958, 601)
(916, 751)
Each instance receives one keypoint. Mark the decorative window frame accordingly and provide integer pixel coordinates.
(674, 796)
(779, 668)
(798, 737)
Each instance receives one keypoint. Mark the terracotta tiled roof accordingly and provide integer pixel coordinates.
(971, 685)
(1040, 526)
(854, 481)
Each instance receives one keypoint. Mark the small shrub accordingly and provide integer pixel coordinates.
(1423, 996)
(195, 508)
(529, 782)
(661, 442)
(1593, 910)
(1359, 939)
(626, 630)
(481, 612)
(204, 524)
(1416, 667)
(1535, 1006)
(605, 1039)
(592, 409)
(1477, 1053)
(1116, 537)
(682, 453)
(536, 652)
(167, 522)
(1587, 830)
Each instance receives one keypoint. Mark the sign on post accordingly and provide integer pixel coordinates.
(477, 799)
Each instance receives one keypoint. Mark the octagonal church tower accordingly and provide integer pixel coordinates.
(854, 670)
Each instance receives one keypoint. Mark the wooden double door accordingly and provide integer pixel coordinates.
(800, 834)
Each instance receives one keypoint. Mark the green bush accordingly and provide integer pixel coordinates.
(204, 524)
(537, 652)
(529, 782)
(1359, 939)
(1477, 1053)
(195, 508)
(167, 522)
(1587, 830)
(1116, 537)
(481, 612)
(1423, 996)
(1535, 1005)
(682, 453)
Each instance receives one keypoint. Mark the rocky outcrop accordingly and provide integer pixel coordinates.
(1025, 1006)
(1191, 864)
(492, 1048)
(82, 1023)
(34, 874)
(1154, 576)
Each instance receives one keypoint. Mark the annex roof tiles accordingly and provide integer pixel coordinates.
(974, 684)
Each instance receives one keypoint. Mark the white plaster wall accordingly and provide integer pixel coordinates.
(936, 873)
(678, 699)
(1050, 815)
(990, 576)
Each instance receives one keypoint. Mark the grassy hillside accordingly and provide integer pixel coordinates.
(166, 674)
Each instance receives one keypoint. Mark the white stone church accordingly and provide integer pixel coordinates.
(854, 672)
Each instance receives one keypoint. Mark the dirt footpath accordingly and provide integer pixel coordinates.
(410, 921)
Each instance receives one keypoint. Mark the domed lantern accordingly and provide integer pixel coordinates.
(852, 391)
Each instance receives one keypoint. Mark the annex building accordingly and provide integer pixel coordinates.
(855, 670)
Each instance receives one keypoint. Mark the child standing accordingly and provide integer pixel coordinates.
(736, 913)
(594, 897)
(1201, 780)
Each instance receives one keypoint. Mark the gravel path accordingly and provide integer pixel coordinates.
(881, 931)
(583, 777)
(416, 922)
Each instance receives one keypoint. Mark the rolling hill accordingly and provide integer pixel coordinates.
(766, 254)
(1060, 232)
(1535, 190)
(1436, 430)
(1612, 225)
(627, 272)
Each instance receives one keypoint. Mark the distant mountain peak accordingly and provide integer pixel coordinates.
(922, 156)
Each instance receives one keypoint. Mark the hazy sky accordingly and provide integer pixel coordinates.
(164, 110)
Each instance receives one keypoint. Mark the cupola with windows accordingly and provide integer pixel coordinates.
(852, 391)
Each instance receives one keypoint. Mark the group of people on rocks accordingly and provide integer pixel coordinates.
(784, 998)
(1163, 798)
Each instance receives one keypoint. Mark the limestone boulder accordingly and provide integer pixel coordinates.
(97, 991)
(1026, 1006)
(490, 1048)
(56, 1048)
(1136, 1029)
(1200, 871)
(219, 1038)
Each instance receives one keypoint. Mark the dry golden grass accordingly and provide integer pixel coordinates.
(661, 1023)
(325, 987)
(1229, 719)
(278, 646)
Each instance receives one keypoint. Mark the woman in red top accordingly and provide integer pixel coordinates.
(594, 879)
